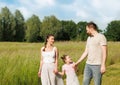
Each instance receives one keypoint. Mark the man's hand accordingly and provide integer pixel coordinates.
(103, 69)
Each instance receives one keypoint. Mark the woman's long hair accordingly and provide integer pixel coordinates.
(47, 37)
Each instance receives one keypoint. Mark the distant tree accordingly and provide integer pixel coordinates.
(72, 29)
(62, 35)
(69, 30)
(81, 29)
(1, 32)
(50, 25)
(112, 31)
(19, 32)
(33, 29)
(8, 24)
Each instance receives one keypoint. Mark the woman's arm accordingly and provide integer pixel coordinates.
(41, 63)
(56, 59)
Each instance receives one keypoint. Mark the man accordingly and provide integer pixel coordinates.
(96, 52)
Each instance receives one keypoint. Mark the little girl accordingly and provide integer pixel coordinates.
(69, 70)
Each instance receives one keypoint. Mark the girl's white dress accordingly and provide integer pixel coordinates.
(70, 74)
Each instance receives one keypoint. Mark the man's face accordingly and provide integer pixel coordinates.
(88, 30)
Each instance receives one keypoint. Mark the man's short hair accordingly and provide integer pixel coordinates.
(92, 25)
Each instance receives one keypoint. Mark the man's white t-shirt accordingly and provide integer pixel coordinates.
(94, 48)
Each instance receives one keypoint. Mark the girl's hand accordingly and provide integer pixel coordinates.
(74, 65)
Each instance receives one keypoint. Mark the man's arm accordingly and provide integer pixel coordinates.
(84, 55)
(104, 56)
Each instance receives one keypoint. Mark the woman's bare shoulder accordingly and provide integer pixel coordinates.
(55, 48)
(42, 48)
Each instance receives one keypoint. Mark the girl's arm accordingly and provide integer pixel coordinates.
(61, 73)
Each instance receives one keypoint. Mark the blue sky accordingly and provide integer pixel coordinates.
(100, 11)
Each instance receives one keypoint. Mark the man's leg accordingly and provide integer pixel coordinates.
(97, 74)
(87, 75)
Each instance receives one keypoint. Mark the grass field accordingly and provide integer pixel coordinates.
(19, 62)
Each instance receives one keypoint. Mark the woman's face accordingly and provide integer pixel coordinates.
(51, 40)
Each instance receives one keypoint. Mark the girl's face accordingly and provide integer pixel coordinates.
(51, 40)
(68, 59)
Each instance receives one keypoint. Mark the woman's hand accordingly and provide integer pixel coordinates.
(55, 71)
(39, 74)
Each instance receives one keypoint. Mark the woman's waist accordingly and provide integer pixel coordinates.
(47, 65)
(48, 60)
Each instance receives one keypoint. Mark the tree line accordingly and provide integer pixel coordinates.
(13, 27)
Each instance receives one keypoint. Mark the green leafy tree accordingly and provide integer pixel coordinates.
(33, 29)
(112, 31)
(81, 29)
(69, 30)
(62, 35)
(50, 25)
(19, 32)
(8, 24)
(1, 35)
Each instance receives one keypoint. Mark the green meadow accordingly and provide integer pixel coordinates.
(19, 62)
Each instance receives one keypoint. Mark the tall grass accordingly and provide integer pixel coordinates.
(19, 62)
(113, 53)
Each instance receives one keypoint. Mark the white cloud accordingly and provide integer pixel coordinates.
(44, 3)
(12, 8)
(96, 3)
(29, 7)
(25, 12)
(77, 8)
(108, 8)
(37, 3)
(100, 11)
(2, 4)
(81, 13)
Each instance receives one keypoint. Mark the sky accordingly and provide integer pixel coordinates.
(101, 12)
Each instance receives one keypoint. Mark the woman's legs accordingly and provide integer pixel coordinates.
(47, 74)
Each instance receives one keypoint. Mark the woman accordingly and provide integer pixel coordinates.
(49, 63)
